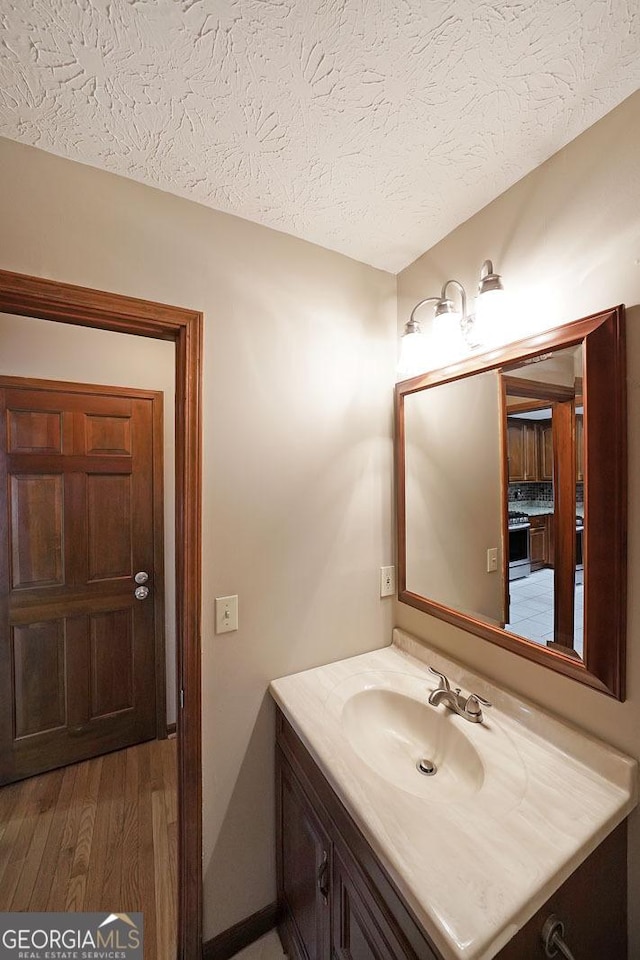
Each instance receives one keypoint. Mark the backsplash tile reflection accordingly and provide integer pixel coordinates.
(537, 495)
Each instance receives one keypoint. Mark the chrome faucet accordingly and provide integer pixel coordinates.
(468, 707)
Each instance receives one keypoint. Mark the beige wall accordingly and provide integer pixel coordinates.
(298, 368)
(566, 239)
(57, 351)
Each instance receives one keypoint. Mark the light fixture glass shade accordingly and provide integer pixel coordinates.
(414, 354)
(449, 344)
(493, 326)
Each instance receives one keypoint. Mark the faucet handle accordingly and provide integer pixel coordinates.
(444, 683)
(473, 704)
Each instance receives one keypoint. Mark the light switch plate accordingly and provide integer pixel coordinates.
(492, 560)
(226, 614)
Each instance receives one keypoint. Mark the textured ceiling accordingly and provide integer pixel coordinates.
(372, 127)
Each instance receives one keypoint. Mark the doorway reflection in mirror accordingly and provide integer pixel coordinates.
(544, 421)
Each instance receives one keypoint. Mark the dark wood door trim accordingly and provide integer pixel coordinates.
(49, 300)
(564, 522)
(538, 390)
(157, 407)
(241, 935)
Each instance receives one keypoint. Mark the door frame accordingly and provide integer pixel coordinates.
(28, 296)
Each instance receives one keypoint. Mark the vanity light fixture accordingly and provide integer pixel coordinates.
(456, 332)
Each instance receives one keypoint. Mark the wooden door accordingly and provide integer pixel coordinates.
(77, 649)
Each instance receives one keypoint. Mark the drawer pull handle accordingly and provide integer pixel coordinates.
(323, 880)
(553, 939)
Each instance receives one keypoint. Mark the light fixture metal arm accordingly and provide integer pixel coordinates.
(412, 324)
(463, 295)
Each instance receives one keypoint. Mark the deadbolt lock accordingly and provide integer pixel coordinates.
(141, 576)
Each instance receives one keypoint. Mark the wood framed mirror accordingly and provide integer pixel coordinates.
(511, 488)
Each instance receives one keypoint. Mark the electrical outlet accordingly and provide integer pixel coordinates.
(387, 581)
(226, 614)
(492, 559)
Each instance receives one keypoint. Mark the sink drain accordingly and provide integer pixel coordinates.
(426, 767)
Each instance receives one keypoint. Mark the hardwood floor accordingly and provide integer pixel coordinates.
(98, 835)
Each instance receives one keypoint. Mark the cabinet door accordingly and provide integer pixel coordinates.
(360, 932)
(546, 452)
(304, 870)
(537, 547)
(515, 444)
(531, 457)
(522, 443)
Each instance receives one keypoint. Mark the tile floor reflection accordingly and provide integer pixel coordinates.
(531, 609)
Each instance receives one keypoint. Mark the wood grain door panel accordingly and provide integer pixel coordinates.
(36, 512)
(109, 540)
(34, 431)
(77, 650)
(107, 436)
(111, 663)
(39, 678)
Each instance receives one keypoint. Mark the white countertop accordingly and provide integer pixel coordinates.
(475, 868)
(539, 510)
(532, 509)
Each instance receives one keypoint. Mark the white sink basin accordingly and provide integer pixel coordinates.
(516, 804)
(392, 732)
(388, 724)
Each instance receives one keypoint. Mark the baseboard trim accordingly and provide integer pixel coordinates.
(171, 729)
(226, 944)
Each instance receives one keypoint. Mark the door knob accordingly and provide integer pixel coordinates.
(141, 576)
(141, 593)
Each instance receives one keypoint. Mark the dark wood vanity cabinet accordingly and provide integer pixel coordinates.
(348, 909)
(337, 902)
(359, 930)
(306, 857)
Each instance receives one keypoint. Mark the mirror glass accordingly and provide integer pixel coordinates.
(493, 499)
(453, 486)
